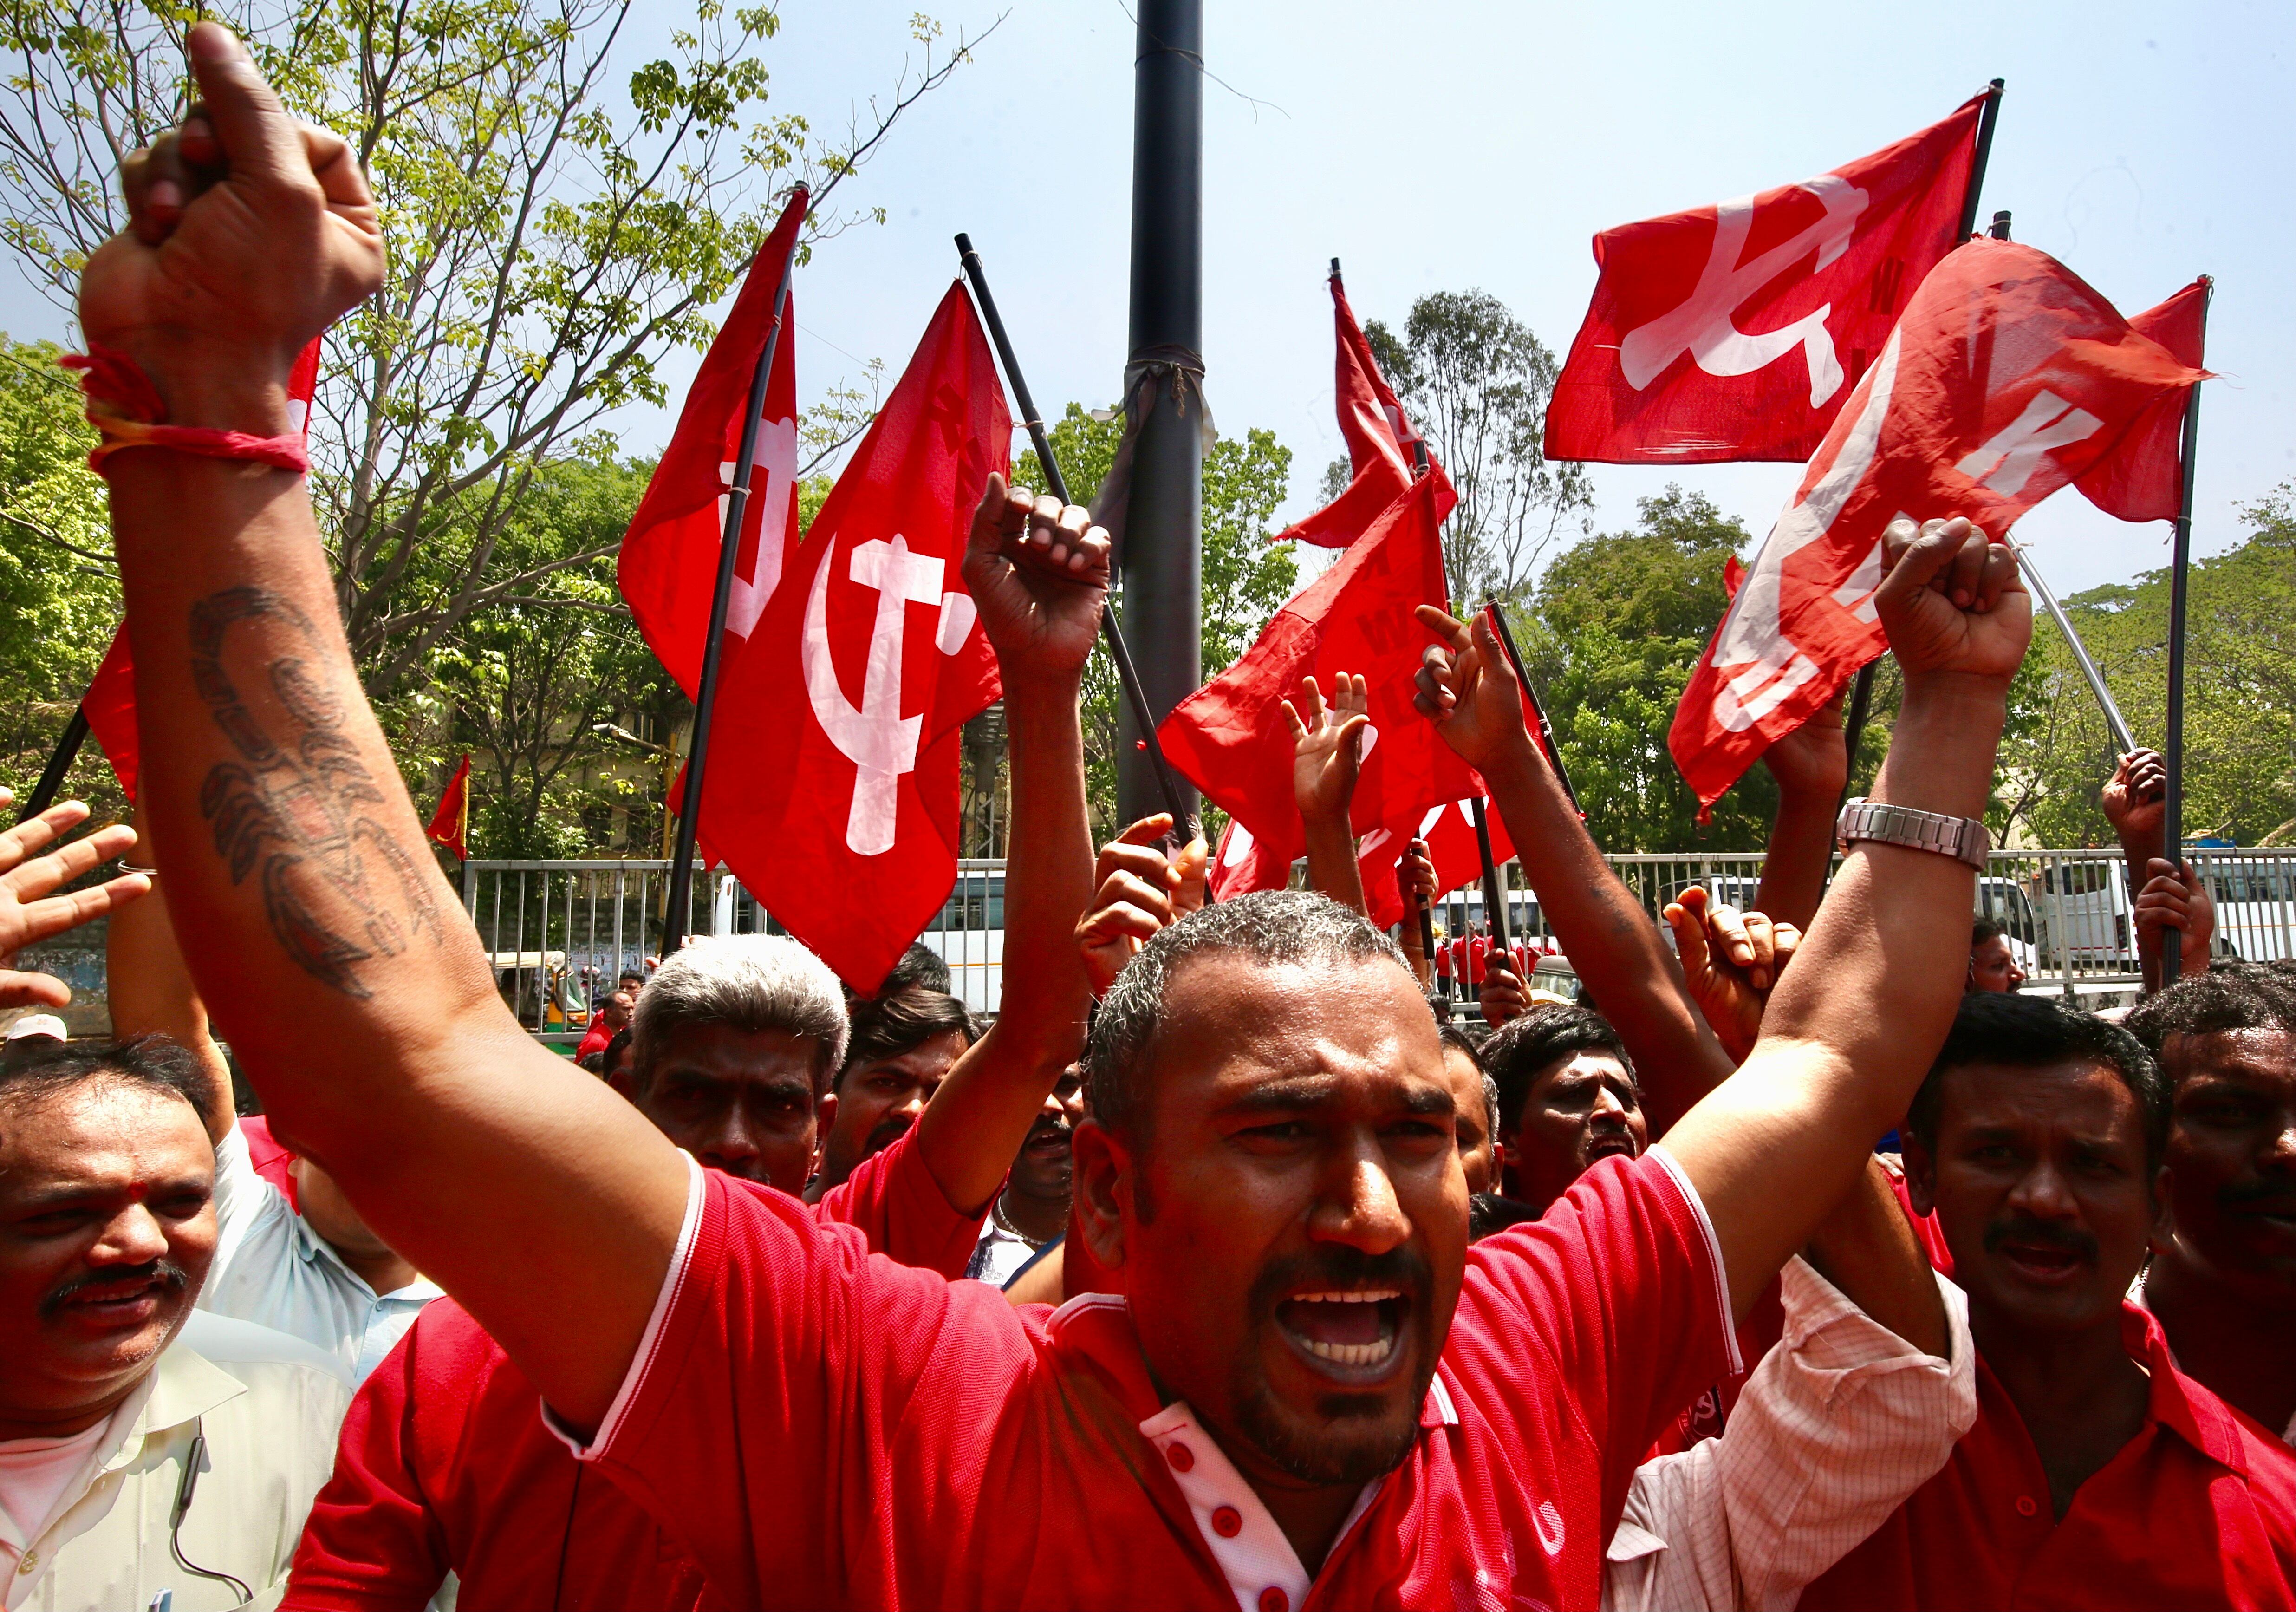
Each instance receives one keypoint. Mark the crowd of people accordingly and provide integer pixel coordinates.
(1226, 1266)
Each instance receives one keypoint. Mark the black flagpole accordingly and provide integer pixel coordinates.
(60, 761)
(729, 552)
(1057, 485)
(2173, 798)
(1426, 912)
(1861, 690)
(1538, 707)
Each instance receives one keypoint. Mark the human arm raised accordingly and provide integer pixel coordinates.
(1469, 691)
(276, 813)
(1811, 765)
(2136, 803)
(149, 990)
(1326, 755)
(1730, 959)
(1038, 574)
(1852, 1026)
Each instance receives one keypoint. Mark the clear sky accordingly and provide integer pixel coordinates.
(1449, 144)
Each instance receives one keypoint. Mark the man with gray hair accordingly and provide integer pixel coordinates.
(731, 1048)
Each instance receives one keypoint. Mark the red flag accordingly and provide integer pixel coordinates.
(1735, 331)
(2143, 478)
(2007, 378)
(1227, 737)
(1379, 441)
(110, 702)
(450, 825)
(1243, 864)
(669, 566)
(832, 782)
(1449, 831)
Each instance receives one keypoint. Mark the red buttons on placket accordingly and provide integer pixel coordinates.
(1273, 1600)
(1181, 1457)
(1227, 1522)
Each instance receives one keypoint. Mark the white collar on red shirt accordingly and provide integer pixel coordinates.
(1243, 1538)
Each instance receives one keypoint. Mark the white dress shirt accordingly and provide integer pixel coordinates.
(268, 1408)
(272, 1269)
(1838, 1425)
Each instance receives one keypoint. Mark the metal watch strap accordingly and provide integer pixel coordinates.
(1964, 839)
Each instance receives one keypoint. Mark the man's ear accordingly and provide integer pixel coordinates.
(1920, 1173)
(824, 1119)
(1103, 1187)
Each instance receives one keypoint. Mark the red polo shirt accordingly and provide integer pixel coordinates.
(2199, 1509)
(445, 1462)
(830, 1430)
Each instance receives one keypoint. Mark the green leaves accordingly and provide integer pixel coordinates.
(2240, 692)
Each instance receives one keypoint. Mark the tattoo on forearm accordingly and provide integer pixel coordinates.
(300, 807)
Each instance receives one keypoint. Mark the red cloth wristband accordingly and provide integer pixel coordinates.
(123, 405)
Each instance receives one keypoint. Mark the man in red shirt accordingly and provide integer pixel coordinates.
(613, 1015)
(2098, 1474)
(905, 1042)
(1313, 1392)
(2223, 1284)
(1568, 1099)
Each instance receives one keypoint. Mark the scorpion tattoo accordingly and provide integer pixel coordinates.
(300, 807)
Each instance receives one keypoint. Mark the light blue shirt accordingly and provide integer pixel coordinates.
(270, 1268)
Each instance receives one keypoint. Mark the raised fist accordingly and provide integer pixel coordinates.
(1037, 572)
(248, 234)
(1952, 603)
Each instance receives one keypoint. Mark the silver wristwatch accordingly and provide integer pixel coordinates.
(1964, 839)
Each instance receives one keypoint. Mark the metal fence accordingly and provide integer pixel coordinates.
(559, 932)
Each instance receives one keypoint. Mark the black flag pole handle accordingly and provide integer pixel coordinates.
(680, 894)
(1057, 485)
(60, 761)
(2172, 941)
(1537, 706)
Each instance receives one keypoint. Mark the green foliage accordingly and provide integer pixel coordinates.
(1246, 579)
(1476, 382)
(58, 594)
(2240, 692)
(1611, 634)
(522, 682)
(558, 221)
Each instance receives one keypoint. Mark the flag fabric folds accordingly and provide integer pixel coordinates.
(1736, 331)
(668, 565)
(2143, 478)
(1379, 441)
(1229, 737)
(1243, 863)
(1449, 830)
(2007, 378)
(832, 788)
(450, 825)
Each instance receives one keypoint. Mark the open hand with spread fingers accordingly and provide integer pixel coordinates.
(31, 872)
(1037, 572)
(1327, 744)
(1731, 960)
(1139, 890)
